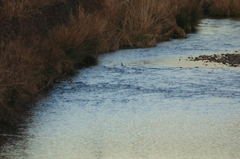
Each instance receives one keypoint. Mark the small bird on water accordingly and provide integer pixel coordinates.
(122, 64)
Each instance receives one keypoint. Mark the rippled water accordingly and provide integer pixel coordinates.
(159, 105)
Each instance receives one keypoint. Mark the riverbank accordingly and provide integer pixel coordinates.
(44, 42)
(158, 105)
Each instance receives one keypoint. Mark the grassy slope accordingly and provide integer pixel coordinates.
(43, 41)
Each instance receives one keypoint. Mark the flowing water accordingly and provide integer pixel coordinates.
(158, 105)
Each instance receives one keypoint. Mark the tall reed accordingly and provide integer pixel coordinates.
(79, 38)
(24, 69)
(222, 8)
(187, 13)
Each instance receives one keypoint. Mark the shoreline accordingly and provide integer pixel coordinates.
(41, 44)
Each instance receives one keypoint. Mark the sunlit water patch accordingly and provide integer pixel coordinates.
(158, 105)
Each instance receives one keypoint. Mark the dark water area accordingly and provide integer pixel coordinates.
(151, 103)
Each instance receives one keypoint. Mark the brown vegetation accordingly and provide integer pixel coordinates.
(222, 8)
(44, 40)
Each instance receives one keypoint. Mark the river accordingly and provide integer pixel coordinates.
(151, 103)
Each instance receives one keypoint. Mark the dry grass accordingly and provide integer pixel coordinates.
(41, 41)
(25, 55)
(222, 8)
(141, 23)
(187, 13)
(25, 71)
(80, 37)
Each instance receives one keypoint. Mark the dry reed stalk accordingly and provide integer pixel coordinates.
(113, 13)
(28, 61)
(223, 7)
(185, 13)
(132, 22)
(79, 38)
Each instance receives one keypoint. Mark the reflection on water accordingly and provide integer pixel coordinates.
(157, 106)
(11, 135)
